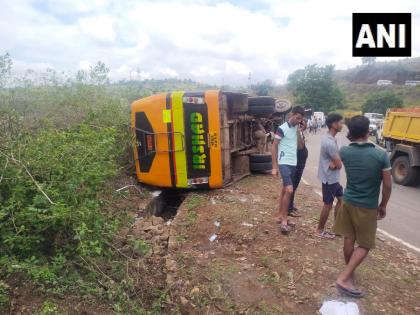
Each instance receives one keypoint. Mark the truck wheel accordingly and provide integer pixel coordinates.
(402, 172)
(260, 158)
(260, 167)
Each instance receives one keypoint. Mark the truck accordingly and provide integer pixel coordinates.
(203, 139)
(376, 121)
(350, 114)
(401, 135)
(320, 117)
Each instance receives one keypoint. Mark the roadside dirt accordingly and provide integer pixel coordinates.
(248, 269)
(252, 269)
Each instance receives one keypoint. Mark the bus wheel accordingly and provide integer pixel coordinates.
(402, 172)
(260, 167)
(260, 158)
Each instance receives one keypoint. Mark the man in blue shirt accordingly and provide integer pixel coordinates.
(284, 157)
(366, 168)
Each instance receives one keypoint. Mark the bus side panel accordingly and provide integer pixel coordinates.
(153, 109)
(216, 177)
(180, 162)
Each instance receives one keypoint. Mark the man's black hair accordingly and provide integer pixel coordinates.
(298, 110)
(332, 118)
(358, 127)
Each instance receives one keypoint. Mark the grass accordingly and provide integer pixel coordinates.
(357, 94)
(195, 200)
(4, 297)
(191, 217)
(50, 308)
(265, 261)
(270, 278)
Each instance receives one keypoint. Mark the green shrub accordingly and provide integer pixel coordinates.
(48, 194)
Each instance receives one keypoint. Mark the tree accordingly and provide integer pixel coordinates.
(99, 73)
(315, 87)
(5, 68)
(368, 60)
(379, 102)
(82, 76)
(263, 88)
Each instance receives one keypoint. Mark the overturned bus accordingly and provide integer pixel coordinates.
(203, 139)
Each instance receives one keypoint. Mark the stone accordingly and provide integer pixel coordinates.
(148, 227)
(170, 279)
(157, 250)
(163, 238)
(184, 301)
(157, 220)
(171, 265)
(195, 291)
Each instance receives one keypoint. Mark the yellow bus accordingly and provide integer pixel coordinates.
(201, 139)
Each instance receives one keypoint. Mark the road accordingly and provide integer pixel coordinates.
(403, 216)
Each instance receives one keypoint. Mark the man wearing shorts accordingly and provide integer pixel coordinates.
(302, 156)
(366, 168)
(329, 173)
(284, 157)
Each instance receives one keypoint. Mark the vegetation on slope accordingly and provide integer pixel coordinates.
(64, 143)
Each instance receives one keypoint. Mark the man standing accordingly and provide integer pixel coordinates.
(302, 156)
(329, 173)
(284, 157)
(366, 167)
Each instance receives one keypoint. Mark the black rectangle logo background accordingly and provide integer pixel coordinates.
(382, 18)
(202, 109)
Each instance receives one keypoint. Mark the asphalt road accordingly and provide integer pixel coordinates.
(402, 223)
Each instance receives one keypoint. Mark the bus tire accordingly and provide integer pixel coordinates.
(261, 101)
(402, 172)
(260, 167)
(260, 158)
(261, 105)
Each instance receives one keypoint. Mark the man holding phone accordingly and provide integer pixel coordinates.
(284, 157)
(302, 156)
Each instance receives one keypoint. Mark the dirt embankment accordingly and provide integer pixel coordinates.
(248, 268)
(251, 269)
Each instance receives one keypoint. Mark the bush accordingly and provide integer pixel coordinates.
(379, 102)
(49, 188)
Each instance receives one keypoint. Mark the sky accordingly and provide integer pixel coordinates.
(217, 42)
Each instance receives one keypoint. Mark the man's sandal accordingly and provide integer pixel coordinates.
(325, 234)
(284, 229)
(295, 214)
(354, 293)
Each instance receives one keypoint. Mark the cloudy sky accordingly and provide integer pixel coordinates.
(208, 41)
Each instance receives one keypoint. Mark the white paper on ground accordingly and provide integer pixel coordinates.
(339, 308)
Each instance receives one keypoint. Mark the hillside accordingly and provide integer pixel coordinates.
(358, 83)
(356, 94)
(397, 71)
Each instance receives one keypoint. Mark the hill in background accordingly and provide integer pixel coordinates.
(358, 83)
(397, 71)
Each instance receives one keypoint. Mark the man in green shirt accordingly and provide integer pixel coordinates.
(366, 168)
